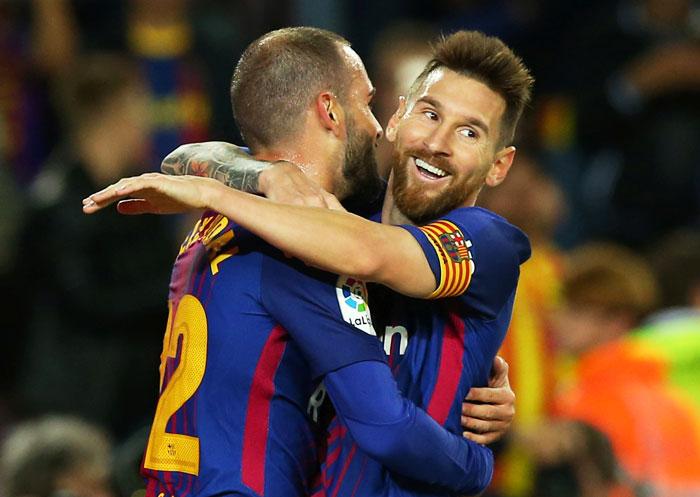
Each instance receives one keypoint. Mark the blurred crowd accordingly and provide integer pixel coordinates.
(604, 346)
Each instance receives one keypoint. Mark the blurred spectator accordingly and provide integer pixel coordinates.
(161, 35)
(619, 388)
(37, 43)
(534, 203)
(55, 456)
(126, 463)
(607, 291)
(95, 289)
(573, 459)
(676, 260)
(673, 333)
(640, 122)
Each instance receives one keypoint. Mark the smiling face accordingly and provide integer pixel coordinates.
(446, 142)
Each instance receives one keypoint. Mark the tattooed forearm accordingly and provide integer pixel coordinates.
(222, 161)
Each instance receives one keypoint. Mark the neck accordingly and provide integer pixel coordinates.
(309, 155)
(390, 212)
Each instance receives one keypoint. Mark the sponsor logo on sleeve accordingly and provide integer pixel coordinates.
(352, 299)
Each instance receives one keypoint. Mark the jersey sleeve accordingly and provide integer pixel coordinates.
(327, 316)
(475, 255)
(405, 439)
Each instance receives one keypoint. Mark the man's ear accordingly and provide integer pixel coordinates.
(501, 166)
(330, 112)
(390, 132)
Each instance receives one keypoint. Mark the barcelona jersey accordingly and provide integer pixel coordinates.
(249, 335)
(440, 347)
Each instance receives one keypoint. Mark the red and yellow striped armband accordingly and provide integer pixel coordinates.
(452, 249)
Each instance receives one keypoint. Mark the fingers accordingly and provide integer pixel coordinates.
(308, 193)
(489, 412)
(108, 195)
(499, 373)
(90, 207)
(287, 183)
(489, 395)
(297, 195)
(482, 438)
(119, 190)
(482, 426)
(135, 206)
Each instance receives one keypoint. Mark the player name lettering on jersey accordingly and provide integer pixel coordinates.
(207, 230)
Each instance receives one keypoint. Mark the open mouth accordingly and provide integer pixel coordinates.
(429, 171)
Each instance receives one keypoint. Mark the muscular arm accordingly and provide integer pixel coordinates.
(402, 437)
(229, 164)
(337, 242)
(224, 162)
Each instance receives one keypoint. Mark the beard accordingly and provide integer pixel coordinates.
(419, 205)
(361, 183)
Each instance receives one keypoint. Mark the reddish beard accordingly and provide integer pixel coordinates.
(416, 204)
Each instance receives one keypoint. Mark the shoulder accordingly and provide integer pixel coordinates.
(482, 223)
(478, 250)
(466, 231)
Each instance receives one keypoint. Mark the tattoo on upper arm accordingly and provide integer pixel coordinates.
(222, 161)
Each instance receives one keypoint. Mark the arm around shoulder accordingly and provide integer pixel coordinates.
(392, 256)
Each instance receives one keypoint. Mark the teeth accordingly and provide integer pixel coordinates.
(432, 169)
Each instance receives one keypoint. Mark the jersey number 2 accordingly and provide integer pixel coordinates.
(173, 451)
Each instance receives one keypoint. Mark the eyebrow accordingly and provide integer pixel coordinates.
(471, 120)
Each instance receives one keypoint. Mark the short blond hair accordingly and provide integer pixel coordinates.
(610, 277)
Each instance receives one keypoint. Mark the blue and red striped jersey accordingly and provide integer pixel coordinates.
(438, 348)
(249, 335)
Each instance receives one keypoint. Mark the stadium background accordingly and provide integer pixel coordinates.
(608, 150)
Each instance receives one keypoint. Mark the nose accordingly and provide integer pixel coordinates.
(437, 142)
(378, 132)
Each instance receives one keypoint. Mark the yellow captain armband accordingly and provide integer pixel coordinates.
(454, 257)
